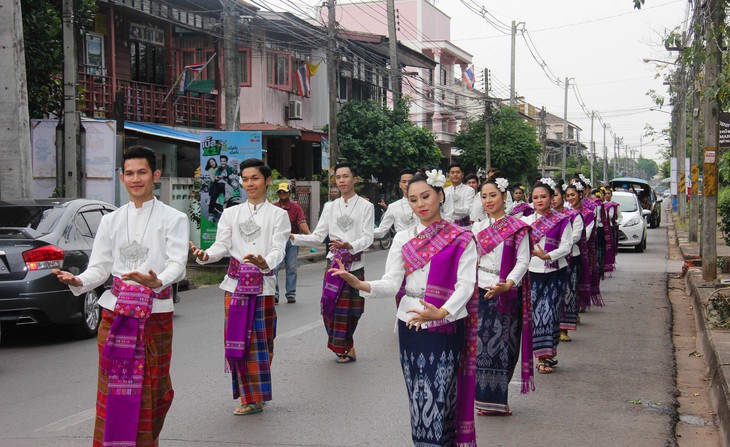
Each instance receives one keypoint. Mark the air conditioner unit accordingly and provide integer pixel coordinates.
(294, 112)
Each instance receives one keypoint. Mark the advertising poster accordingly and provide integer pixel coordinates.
(221, 154)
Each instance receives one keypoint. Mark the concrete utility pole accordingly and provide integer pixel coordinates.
(714, 20)
(487, 121)
(16, 172)
(682, 149)
(593, 147)
(543, 139)
(393, 44)
(605, 156)
(565, 128)
(694, 209)
(333, 69)
(73, 158)
(231, 62)
(512, 66)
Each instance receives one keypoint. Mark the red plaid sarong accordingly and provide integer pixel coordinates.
(348, 309)
(156, 400)
(253, 383)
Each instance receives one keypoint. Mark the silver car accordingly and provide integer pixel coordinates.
(632, 228)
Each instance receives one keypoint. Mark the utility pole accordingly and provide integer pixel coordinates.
(512, 66)
(231, 62)
(694, 158)
(73, 161)
(714, 21)
(332, 74)
(393, 45)
(682, 148)
(543, 139)
(565, 128)
(487, 121)
(593, 147)
(605, 156)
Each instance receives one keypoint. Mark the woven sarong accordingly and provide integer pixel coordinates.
(346, 314)
(157, 392)
(547, 292)
(569, 314)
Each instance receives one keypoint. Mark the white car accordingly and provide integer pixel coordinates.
(632, 228)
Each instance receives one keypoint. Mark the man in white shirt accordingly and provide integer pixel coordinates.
(459, 197)
(254, 235)
(143, 245)
(399, 213)
(349, 222)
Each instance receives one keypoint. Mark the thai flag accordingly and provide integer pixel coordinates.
(303, 81)
(468, 77)
(184, 79)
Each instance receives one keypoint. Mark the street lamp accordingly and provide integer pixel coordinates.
(647, 60)
(653, 109)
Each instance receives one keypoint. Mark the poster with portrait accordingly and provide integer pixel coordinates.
(221, 154)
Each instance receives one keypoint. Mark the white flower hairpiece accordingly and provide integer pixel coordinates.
(548, 181)
(578, 185)
(502, 184)
(435, 178)
(565, 186)
(584, 179)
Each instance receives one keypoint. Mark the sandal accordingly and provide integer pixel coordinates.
(565, 338)
(248, 409)
(345, 358)
(494, 413)
(551, 361)
(543, 368)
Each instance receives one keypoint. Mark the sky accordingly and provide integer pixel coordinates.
(599, 44)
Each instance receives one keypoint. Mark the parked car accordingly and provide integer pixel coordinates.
(646, 194)
(632, 228)
(37, 236)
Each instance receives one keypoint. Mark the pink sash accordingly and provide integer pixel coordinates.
(333, 284)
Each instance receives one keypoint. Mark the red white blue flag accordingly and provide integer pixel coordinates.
(468, 77)
(303, 80)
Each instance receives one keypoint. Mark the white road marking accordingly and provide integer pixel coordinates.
(300, 330)
(69, 421)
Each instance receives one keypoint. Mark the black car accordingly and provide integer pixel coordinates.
(648, 198)
(37, 236)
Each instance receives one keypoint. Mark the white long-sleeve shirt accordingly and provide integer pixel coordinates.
(399, 214)
(271, 242)
(462, 198)
(359, 235)
(577, 225)
(163, 230)
(395, 270)
(537, 265)
(491, 262)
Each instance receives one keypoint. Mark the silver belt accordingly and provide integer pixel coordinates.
(419, 295)
(492, 271)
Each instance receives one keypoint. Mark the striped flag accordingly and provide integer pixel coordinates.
(303, 81)
(185, 79)
(468, 77)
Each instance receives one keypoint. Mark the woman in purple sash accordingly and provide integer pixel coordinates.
(505, 311)
(436, 263)
(569, 307)
(552, 236)
(614, 217)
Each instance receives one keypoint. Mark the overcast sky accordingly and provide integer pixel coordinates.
(599, 43)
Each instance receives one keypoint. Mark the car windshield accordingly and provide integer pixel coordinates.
(37, 217)
(627, 203)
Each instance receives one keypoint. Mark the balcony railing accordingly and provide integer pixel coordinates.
(148, 103)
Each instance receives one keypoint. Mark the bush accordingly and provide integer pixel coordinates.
(723, 209)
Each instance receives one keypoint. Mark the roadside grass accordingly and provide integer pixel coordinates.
(205, 277)
(680, 225)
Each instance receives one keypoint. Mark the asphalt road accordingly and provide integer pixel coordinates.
(613, 387)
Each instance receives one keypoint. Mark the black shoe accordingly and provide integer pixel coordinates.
(276, 300)
(291, 299)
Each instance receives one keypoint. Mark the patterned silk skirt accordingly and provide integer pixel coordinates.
(547, 291)
(350, 306)
(430, 362)
(569, 314)
(498, 349)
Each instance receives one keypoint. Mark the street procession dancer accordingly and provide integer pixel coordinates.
(143, 245)
(437, 317)
(520, 207)
(551, 234)
(399, 213)
(254, 235)
(459, 197)
(569, 305)
(590, 212)
(349, 223)
(613, 217)
(505, 309)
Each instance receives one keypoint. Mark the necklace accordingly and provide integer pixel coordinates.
(408, 219)
(134, 253)
(345, 222)
(250, 230)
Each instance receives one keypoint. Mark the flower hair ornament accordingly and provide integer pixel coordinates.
(578, 185)
(435, 178)
(521, 186)
(548, 181)
(502, 184)
(584, 179)
(565, 186)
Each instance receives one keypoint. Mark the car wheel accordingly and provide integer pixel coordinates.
(91, 314)
(642, 245)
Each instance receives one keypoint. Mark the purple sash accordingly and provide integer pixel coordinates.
(241, 312)
(333, 284)
(123, 360)
(522, 207)
(611, 248)
(551, 227)
(511, 231)
(589, 216)
(442, 244)
(463, 222)
(584, 279)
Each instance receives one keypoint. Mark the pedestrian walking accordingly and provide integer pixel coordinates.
(291, 253)
(505, 309)
(551, 235)
(459, 197)
(349, 223)
(254, 235)
(143, 245)
(437, 317)
(399, 213)
(613, 217)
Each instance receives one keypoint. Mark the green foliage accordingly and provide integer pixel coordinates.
(515, 148)
(723, 209)
(647, 167)
(43, 42)
(382, 141)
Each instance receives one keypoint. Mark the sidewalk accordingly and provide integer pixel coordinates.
(714, 343)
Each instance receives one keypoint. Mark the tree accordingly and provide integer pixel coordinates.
(515, 149)
(647, 166)
(382, 141)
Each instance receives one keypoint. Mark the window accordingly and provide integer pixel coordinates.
(278, 74)
(192, 56)
(444, 76)
(88, 222)
(148, 63)
(429, 83)
(244, 74)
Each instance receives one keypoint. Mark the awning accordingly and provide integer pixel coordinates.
(271, 130)
(161, 131)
